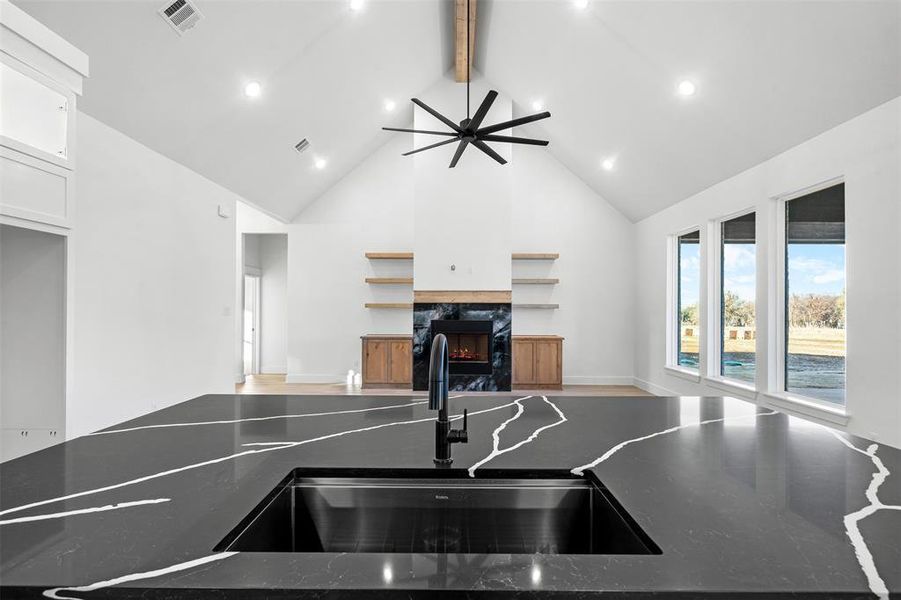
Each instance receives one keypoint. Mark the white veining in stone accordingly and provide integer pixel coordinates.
(248, 419)
(373, 427)
(621, 445)
(496, 451)
(83, 511)
(273, 446)
(852, 529)
(54, 593)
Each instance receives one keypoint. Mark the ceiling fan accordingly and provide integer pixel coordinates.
(470, 131)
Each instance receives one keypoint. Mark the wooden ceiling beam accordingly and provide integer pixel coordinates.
(460, 62)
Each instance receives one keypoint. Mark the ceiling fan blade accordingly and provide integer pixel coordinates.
(458, 153)
(513, 123)
(513, 140)
(453, 133)
(429, 147)
(483, 109)
(487, 150)
(436, 114)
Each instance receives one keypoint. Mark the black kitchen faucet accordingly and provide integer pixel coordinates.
(438, 400)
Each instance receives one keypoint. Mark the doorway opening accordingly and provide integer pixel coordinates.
(264, 346)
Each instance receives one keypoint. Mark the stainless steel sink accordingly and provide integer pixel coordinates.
(439, 511)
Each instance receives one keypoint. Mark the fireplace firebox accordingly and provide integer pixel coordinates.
(469, 345)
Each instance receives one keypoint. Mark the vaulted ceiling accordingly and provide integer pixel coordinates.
(769, 75)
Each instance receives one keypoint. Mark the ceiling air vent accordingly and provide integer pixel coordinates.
(181, 15)
(302, 145)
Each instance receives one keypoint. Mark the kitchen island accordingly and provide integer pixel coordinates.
(740, 500)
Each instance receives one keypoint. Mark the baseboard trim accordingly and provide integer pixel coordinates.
(657, 390)
(301, 378)
(274, 369)
(598, 380)
(240, 378)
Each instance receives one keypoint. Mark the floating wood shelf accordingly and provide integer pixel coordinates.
(463, 296)
(390, 280)
(538, 281)
(389, 255)
(536, 255)
(408, 305)
(537, 306)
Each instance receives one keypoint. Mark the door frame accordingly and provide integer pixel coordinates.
(256, 275)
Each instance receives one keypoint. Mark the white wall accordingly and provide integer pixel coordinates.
(462, 215)
(252, 251)
(273, 302)
(372, 208)
(865, 151)
(554, 211)
(154, 282)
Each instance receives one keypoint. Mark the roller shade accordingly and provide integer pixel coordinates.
(817, 218)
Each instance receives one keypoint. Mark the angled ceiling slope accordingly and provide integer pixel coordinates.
(769, 75)
(326, 72)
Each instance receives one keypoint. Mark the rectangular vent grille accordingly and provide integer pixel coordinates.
(302, 145)
(181, 15)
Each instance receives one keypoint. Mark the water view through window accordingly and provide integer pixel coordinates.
(815, 295)
(688, 297)
(738, 276)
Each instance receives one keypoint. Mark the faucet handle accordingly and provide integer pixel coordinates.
(459, 436)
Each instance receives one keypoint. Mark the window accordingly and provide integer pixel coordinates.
(688, 300)
(815, 295)
(738, 287)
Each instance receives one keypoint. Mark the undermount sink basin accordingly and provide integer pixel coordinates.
(439, 511)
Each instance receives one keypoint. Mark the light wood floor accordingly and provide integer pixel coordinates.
(275, 384)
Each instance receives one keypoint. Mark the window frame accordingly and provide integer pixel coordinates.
(777, 360)
(714, 328)
(673, 326)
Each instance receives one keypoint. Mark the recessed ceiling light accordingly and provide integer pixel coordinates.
(537, 105)
(253, 89)
(687, 88)
(581, 4)
(320, 163)
(390, 105)
(357, 4)
(608, 163)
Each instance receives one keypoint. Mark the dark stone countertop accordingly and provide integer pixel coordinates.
(742, 501)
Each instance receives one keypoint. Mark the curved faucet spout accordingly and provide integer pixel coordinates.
(439, 378)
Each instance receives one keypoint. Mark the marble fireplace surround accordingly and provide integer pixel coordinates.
(494, 306)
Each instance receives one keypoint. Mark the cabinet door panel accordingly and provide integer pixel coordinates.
(401, 368)
(375, 361)
(523, 362)
(548, 362)
(19, 442)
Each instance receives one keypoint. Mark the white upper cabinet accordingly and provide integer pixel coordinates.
(41, 76)
(33, 113)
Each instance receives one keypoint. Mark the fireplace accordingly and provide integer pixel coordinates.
(468, 344)
(478, 338)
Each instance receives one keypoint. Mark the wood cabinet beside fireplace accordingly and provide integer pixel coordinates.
(537, 362)
(387, 361)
